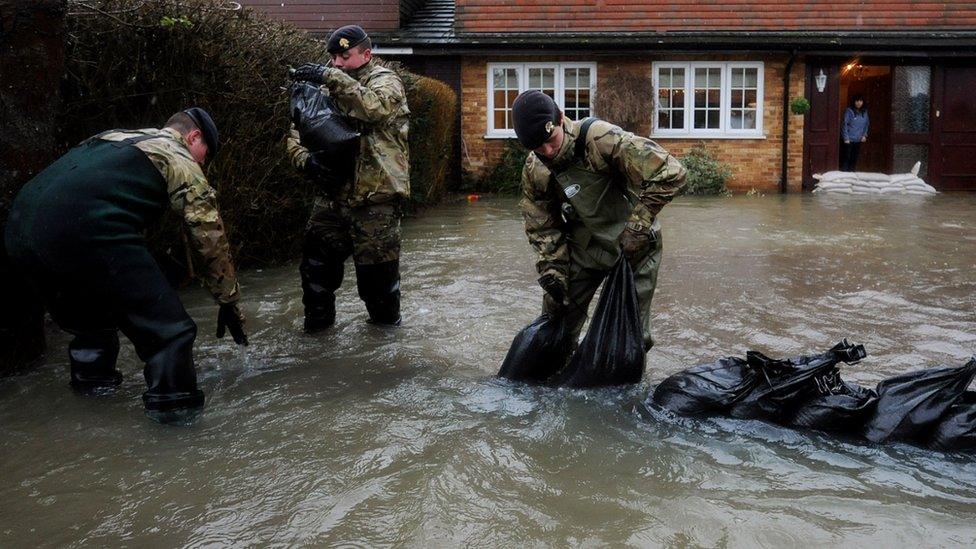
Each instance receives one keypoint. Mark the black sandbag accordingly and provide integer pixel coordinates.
(708, 388)
(957, 428)
(538, 351)
(320, 126)
(910, 406)
(612, 352)
(787, 384)
(841, 406)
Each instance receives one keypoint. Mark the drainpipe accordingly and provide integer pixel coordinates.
(786, 121)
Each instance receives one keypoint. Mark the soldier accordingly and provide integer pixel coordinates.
(358, 213)
(591, 191)
(77, 231)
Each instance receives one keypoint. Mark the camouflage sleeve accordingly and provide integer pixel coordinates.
(373, 103)
(192, 196)
(653, 174)
(297, 154)
(543, 221)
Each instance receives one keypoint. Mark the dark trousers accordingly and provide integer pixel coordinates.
(848, 156)
(118, 288)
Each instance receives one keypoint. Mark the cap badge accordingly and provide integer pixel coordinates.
(344, 42)
(549, 126)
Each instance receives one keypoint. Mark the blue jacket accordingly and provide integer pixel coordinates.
(855, 125)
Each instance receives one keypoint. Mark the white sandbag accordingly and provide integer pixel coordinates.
(903, 177)
(864, 191)
(835, 174)
(870, 176)
(870, 184)
(912, 181)
(838, 190)
(919, 193)
(892, 189)
(830, 185)
(920, 187)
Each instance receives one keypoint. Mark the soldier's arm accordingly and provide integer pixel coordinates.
(372, 104)
(653, 174)
(297, 154)
(544, 224)
(196, 201)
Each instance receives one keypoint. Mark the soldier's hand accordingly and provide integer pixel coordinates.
(635, 245)
(555, 287)
(321, 172)
(230, 317)
(309, 72)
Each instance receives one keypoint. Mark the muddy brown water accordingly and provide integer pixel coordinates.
(365, 436)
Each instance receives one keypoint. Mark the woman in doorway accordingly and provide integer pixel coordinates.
(854, 131)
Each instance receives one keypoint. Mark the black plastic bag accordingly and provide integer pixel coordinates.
(910, 406)
(787, 384)
(706, 389)
(320, 126)
(612, 352)
(957, 428)
(841, 406)
(538, 351)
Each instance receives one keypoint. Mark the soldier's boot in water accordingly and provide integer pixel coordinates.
(321, 273)
(173, 395)
(379, 288)
(92, 356)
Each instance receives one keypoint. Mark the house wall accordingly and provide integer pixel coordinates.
(322, 16)
(755, 163)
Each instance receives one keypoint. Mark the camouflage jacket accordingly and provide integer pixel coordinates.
(191, 196)
(373, 98)
(643, 168)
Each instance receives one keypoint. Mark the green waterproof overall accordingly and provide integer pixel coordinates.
(76, 231)
(596, 211)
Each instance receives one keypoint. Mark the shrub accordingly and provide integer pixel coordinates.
(506, 176)
(627, 102)
(800, 105)
(705, 174)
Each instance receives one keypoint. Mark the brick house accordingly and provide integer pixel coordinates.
(721, 72)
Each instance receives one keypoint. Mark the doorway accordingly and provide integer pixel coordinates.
(873, 83)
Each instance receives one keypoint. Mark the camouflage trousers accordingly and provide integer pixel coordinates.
(370, 233)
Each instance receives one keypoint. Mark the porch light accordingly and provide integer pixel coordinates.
(821, 81)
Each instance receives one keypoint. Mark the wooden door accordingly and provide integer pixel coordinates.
(821, 126)
(954, 155)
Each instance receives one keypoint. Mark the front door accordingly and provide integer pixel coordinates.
(954, 154)
(821, 125)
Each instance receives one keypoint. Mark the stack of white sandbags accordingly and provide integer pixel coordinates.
(872, 183)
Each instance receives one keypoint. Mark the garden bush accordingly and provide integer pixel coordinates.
(706, 175)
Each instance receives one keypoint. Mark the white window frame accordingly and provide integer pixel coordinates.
(523, 70)
(724, 131)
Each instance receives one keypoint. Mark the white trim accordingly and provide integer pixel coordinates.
(379, 50)
(724, 131)
(523, 84)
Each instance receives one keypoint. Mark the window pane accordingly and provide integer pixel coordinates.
(701, 78)
(569, 80)
(664, 78)
(735, 119)
(664, 99)
(498, 78)
(499, 122)
(750, 98)
(583, 78)
(678, 98)
(699, 119)
(911, 102)
(678, 78)
(664, 119)
(737, 98)
(737, 78)
(752, 78)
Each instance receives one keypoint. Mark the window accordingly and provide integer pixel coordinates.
(571, 85)
(708, 99)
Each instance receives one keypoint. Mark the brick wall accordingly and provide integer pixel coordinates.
(755, 163)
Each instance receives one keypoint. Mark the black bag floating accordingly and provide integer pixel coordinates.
(321, 127)
(707, 389)
(910, 406)
(786, 384)
(538, 351)
(842, 406)
(612, 352)
(957, 428)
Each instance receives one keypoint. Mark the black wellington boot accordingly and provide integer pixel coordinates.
(173, 395)
(379, 288)
(92, 357)
(321, 273)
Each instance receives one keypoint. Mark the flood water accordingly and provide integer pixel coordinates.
(371, 436)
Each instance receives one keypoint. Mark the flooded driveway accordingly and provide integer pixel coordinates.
(371, 436)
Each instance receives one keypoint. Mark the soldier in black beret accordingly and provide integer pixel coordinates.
(591, 195)
(358, 210)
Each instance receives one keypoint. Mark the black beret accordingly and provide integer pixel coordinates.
(207, 127)
(345, 38)
(535, 115)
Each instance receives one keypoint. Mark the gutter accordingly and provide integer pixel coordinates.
(786, 123)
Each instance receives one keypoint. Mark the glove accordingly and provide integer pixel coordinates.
(635, 245)
(316, 170)
(310, 72)
(555, 287)
(230, 317)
